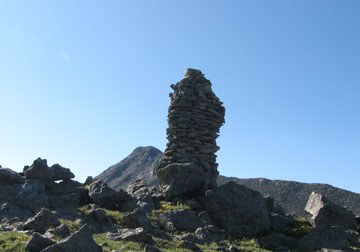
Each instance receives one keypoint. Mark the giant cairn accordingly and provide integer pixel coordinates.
(195, 117)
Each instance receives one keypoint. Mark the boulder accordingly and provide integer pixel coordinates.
(8, 210)
(237, 209)
(66, 195)
(136, 219)
(141, 193)
(178, 179)
(62, 231)
(9, 177)
(323, 212)
(127, 234)
(101, 194)
(32, 196)
(329, 237)
(182, 219)
(195, 116)
(42, 221)
(80, 241)
(37, 243)
(39, 170)
(8, 193)
(60, 173)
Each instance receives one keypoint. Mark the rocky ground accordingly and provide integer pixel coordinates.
(290, 195)
(44, 209)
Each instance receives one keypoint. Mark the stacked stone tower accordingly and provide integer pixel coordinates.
(195, 117)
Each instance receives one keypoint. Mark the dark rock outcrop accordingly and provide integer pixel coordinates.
(60, 173)
(101, 194)
(80, 241)
(237, 209)
(195, 117)
(67, 195)
(39, 170)
(9, 177)
(32, 196)
(42, 221)
(37, 243)
(62, 231)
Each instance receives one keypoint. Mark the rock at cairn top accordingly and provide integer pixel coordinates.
(195, 117)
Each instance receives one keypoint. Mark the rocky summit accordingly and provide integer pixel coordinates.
(44, 209)
(195, 117)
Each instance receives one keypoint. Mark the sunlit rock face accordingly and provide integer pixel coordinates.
(195, 117)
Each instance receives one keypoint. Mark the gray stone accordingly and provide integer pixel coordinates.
(127, 234)
(67, 196)
(182, 178)
(62, 231)
(323, 212)
(37, 243)
(32, 196)
(9, 177)
(195, 116)
(60, 173)
(136, 219)
(208, 235)
(183, 219)
(101, 194)
(42, 221)
(237, 209)
(141, 193)
(67, 186)
(80, 241)
(39, 170)
(8, 210)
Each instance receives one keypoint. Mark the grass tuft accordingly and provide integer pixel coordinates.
(13, 241)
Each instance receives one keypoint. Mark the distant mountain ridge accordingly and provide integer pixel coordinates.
(140, 164)
(291, 195)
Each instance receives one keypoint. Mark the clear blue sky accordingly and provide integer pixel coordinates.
(83, 83)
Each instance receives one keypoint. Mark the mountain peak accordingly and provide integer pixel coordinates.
(140, 164)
